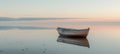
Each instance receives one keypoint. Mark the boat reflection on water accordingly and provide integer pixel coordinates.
(75, 41)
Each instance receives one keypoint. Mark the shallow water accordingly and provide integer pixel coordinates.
(36, 37)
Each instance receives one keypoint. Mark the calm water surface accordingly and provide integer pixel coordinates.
(33, 37)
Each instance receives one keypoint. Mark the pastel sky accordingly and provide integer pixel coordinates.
(60, 8)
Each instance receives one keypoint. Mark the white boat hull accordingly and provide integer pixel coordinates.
(73, 32)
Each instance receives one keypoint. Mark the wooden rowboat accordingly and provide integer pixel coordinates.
(73, 32)
(74, 41)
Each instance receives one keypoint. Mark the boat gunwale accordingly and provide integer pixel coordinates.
(72, 29)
